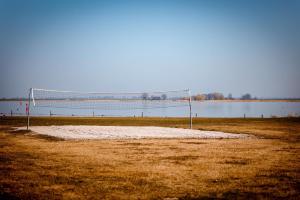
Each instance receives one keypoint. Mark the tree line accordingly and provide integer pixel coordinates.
(220, 96)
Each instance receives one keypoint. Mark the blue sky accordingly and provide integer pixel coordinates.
(207, 46)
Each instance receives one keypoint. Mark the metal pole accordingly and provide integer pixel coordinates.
(28, 111)
(190, 104)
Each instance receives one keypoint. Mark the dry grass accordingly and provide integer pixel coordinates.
(280, 128)
(40, 167)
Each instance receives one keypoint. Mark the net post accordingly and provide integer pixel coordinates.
(28, 108)
(190, 105)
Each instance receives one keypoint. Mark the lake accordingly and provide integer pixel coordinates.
(200, 109)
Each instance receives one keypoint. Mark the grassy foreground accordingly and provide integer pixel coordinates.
(39, 167)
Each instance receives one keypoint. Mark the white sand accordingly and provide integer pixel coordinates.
(128, 132)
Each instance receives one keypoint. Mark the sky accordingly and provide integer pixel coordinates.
(229, 46)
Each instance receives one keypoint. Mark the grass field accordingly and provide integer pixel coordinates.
(41, 167)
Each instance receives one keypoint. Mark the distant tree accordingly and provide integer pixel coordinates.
(218, 96)
(214, 96)
(155, 97)
(145, 96)
(246, 96)
(230, 96)
(199, 97)
(164, 97)
(209, 96)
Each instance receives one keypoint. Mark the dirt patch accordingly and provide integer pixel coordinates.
(20, 131)
(181, 158)
(237, 162)
(193, 143)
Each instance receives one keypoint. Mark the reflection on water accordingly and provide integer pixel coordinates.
(201, 109)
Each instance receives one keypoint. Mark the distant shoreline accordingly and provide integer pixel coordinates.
(255, 100)
(223, 100)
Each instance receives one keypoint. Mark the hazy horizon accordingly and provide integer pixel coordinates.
(231, 46)
(193, 93)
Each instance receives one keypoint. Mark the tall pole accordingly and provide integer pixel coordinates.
(28, 108)
(190, 104)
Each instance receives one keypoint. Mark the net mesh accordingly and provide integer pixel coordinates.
(109, 101)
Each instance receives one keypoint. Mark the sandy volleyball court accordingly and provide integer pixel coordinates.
(128, 132)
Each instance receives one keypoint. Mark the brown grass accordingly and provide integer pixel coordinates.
(39, 167)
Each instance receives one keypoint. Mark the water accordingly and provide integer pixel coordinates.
(201, 109)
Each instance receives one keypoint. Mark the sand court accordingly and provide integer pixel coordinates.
(129, 132)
